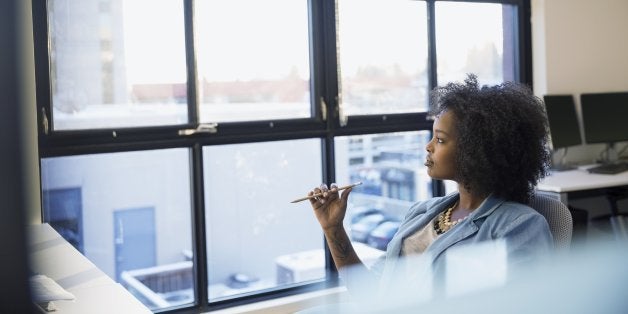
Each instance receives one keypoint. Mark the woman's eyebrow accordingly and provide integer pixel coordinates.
(440, 131)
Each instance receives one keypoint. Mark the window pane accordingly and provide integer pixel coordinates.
(383, 56)
(390, 167)
(129, 213)
(475, 38)
(256, 239)
(253, 59)
(117, 63)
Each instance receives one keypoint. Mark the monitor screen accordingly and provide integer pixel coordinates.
(562, 119)
(604, 117)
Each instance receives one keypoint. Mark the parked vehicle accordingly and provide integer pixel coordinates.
(361, 228)
(360, 212)
(382, 234)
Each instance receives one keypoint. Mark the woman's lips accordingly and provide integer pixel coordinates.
(428, 163)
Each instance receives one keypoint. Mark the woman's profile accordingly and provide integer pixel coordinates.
(490, 140)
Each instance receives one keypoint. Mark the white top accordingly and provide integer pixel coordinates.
(418, 242)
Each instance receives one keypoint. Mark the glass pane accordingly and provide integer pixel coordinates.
(383, 56)
(450, 186)
(390, 167)
(117, 63)
(256, 239)
(475, 38)
(128, 213)
(253, 59)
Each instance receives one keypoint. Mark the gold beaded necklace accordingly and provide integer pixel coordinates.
(444, 223)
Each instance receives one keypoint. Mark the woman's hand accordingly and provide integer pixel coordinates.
(329, 208)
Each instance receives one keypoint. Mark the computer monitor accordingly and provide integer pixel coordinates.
(564, 126)
(604, 118)
(563, 121)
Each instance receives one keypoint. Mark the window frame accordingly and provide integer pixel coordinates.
(324, 90)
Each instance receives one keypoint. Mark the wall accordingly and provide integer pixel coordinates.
(28, 113)
(14, 290)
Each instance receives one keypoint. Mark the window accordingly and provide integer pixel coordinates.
(483, 46)
(380, 72)
(392, 177)
(248, 188)
(189, 126)
(108, 71)
(253, 60)
(106, 205)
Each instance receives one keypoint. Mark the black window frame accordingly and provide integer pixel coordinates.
(324, 87)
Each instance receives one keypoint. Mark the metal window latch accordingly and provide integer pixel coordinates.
(205, 128)
(342, 116)
(44, 121)
(323, 109)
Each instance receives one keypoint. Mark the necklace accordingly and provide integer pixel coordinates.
(444, 223)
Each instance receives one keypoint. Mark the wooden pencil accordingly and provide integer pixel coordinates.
(319, 194)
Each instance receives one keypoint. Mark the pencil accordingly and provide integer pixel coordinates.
(319, 194)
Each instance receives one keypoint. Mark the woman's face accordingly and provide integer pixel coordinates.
(441, 148)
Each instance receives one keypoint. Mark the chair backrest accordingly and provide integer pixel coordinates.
(558, 217)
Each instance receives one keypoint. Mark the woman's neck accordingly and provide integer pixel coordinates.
(469, 201)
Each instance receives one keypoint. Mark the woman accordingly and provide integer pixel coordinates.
(492, 142)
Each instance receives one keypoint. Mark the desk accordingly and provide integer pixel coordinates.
(580, 183)
(95, 292)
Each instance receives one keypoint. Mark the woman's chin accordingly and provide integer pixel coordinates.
(430, 172)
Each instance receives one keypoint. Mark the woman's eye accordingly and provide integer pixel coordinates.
(439, 140)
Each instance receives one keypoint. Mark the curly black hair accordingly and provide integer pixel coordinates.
(502, 137)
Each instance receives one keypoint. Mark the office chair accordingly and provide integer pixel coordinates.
(558, 217)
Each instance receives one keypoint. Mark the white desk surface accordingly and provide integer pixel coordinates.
(579, 179)
(95, 292)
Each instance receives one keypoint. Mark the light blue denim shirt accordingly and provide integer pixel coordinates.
(525, 232)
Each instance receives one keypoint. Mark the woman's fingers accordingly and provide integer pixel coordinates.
(318, 199)
(314, 200)
(345, 194)
(324, 193)
(323, 189)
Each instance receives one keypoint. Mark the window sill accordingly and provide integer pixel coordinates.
(289, 304)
